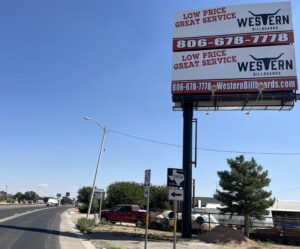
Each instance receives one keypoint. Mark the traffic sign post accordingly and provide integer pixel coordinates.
(58, 195)
(146, 191)
(175, 178)
(147, 177)
(175, 224)
(175, 194)
(100, 193)
(147, 183)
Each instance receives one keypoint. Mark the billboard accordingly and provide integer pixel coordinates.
(235, 70)
(234, 49)
(233, 26)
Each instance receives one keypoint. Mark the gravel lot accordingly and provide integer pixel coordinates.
(127, 236)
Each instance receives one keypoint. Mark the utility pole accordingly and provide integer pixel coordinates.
(99, 158)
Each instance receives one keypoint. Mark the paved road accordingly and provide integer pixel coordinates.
(38, 230)
(7, 211)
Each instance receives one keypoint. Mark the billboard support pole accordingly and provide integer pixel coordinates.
(187, 169)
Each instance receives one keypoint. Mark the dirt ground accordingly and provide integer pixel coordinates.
(127, 236)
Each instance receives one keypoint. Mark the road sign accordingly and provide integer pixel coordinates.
(58, 195)
(99, 190)
(99, 193)
(175, 178)
(147, 177)
(176, 194)
(146, 191)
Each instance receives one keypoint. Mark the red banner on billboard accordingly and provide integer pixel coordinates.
(233, 41)
(235, 85)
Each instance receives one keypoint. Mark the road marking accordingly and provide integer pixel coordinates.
(20, 214)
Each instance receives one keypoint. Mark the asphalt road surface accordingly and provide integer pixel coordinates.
(37, 230)
(7, 211)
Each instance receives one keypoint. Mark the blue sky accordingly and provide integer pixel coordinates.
(111, 60)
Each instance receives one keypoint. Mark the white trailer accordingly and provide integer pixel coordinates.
(52, 202)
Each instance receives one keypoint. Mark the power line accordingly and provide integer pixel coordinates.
(252, 152)
(286, 191)
(206, 149)
(145, 139)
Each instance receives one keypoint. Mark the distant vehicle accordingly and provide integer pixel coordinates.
(125, 213)
(40, 202)
(52, 202)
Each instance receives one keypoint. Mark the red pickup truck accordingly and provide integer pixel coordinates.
(125, 213)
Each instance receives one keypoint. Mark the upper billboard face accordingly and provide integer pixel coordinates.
(233, 26)
(198, 71)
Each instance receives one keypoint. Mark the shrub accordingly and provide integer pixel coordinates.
(82, 208)
(84, 224)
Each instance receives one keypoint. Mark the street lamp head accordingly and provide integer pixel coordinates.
(93, 120)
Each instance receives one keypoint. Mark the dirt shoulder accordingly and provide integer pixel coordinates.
(127, 236)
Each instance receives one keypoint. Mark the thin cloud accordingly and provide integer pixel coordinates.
(43, 185)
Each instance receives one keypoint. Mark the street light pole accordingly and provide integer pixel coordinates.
(99, 158)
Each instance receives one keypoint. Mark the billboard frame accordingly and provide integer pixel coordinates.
(272, 101)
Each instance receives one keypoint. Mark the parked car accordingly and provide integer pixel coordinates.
(125, 213)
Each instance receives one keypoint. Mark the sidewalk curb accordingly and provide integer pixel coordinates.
(80, 236)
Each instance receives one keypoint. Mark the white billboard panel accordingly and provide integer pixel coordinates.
(218, 27)
(198, 71)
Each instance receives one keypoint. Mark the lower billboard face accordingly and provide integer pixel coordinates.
(250, 69)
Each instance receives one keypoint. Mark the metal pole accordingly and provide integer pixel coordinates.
(6, 186)
(147, 220)
(187, 169)
(193, 193)
(100, 207)
(93, 188)
(175, 224)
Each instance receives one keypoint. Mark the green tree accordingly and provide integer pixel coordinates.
(66, 201)
(243, 190)
(84, 194)
(83, 198)
(31, 196)
(159, 198)
(125, 193)
(19, 196)
(133, 193)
